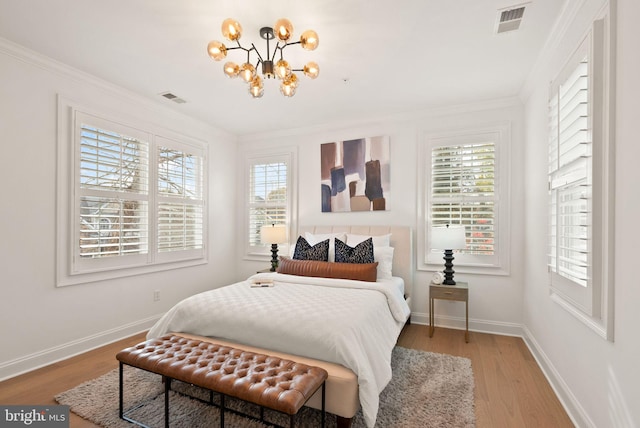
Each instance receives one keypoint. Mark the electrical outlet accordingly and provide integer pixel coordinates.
(156, 295)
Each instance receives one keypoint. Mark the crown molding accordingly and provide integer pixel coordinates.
(554, 39)
(35, 59)
(393, 118)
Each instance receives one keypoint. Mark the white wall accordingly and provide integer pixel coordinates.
(598, 381)
(39, 322)
(495, 301)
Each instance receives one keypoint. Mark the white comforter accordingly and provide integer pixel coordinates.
(352, 323)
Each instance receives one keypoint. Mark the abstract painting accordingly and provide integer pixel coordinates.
(355, 175)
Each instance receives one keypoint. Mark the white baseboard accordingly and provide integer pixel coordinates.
(45, 357)
(458, 323)
(572, 406)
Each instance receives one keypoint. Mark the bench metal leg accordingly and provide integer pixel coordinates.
(221, 410)
(121, 411)
(167, 388)
(323, 401)
(121, 388)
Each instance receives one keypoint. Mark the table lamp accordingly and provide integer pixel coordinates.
(273, 234)
(448, 238)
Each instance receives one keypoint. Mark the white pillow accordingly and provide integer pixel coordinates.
(378, 241)
(384, 257)
(382, 251)
(313, 239)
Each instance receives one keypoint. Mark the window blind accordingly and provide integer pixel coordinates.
(268, 196)
(570, 186)
(110, 161)
(463, 191)
(180, 203)
(113, 194)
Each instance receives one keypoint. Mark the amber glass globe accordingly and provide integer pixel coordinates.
(256, 87)
(231, 69)
(247, 71)
(287, 90)
(283, 29)
(309, 40)
(217, 50)
(311, 70)
(282, 69)
(231, 29)
(256, 92)
(291, 80)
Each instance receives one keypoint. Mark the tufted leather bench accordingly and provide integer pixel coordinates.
(267, 381)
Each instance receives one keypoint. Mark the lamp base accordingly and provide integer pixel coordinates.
(274, 257)
(448, 268)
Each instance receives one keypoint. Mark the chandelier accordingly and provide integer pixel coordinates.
(270, 67)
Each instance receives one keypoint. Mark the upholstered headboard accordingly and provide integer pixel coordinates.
(401, 241)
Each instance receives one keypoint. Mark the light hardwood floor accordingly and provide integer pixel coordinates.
(510, 389)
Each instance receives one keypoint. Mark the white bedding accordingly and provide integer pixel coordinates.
(352, 323)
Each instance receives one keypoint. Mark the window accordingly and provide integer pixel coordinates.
(135, 200)
(268, 197)
(580, 189)
(113, 196)
(570, 186)
(466, 182)
(180, 203)
(463, 192)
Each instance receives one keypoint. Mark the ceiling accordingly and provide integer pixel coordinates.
(377, 58)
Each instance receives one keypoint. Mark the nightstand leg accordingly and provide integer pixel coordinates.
(466, 313)
(431, 318)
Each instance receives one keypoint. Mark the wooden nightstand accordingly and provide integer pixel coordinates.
(458, 292)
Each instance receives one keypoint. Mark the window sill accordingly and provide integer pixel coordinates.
(64, 279)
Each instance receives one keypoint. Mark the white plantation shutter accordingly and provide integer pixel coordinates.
(113, 192)
(112, 227)
(180, 200)
(268, 196)
(463, 192)
(138, 199)
(466, 182)
(179, 227)
(581, 187)
(570, 202)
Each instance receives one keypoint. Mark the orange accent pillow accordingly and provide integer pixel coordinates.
(315, 268)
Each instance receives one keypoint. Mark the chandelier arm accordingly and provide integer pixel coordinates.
(238, 47)
(278, 48)
(253, 48)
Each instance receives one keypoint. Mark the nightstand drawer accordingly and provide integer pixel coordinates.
(449, 293)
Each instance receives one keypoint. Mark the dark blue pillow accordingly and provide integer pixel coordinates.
(304, 251)
(361, 253)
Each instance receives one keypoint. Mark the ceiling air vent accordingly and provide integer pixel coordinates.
(509, 19)
(172, 97)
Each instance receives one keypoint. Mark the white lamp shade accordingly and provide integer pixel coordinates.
(448, 237)
(273, 234)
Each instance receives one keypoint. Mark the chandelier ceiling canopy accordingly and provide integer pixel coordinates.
(271, 67)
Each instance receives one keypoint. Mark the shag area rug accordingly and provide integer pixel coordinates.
(427, 390)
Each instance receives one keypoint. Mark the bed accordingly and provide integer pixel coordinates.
(346, 325)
